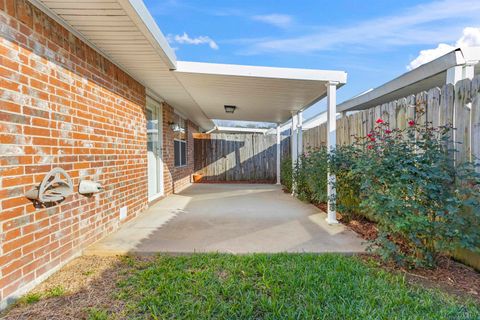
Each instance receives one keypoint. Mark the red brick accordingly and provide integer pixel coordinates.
(17, 243)
(10, 6)
(38, 244)
(90, 129)
(11, 278)
(17, 264)
(16, 181)
(10, 106)
(10, 214)
(35, 131)
(15, 202)
(13, 118)
(24, 12)
(8, 63)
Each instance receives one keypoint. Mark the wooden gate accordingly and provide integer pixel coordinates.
(237, 156)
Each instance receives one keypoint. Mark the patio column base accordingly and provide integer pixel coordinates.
(331, 221)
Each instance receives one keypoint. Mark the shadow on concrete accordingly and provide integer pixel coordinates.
(229, 218)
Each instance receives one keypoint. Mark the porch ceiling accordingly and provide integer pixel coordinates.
(126, 33)
(259, 93)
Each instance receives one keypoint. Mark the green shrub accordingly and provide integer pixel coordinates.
(347, 185)
(410, 185)
(286, 174)
(406, 181)
(311, 178)
(311, 171)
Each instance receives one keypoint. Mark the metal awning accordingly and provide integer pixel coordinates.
(430, 75)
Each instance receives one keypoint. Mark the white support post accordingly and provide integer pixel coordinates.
(469, 70)
(294, 148)
(331, 146)
(454, 74)
(279, 145)
(457, 73)
(300, 134)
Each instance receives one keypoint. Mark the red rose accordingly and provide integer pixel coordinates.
(379, 120)
(411, 123)
(372, 139)
(388, 131)
(369, 135)
(369, 147)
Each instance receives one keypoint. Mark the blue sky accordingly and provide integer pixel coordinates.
(373, 41)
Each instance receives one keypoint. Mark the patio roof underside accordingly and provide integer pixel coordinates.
(125, 32)
(258, 93)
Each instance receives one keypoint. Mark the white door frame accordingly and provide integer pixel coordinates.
(156, 109)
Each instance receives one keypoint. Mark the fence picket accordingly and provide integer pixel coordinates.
(475, 122)
(440, 106)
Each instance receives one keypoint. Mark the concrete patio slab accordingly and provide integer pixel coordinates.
(232, 218)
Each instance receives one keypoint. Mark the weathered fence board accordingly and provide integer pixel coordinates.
(450, 105)
(237, 156)
(475, 120)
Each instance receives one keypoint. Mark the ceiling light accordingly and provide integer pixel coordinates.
(230, 109)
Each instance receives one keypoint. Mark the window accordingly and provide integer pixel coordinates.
(180, 142)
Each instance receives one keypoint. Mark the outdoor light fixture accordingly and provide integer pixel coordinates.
(230, 109)
(174, 126)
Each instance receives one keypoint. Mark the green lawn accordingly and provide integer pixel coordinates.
(280, 286)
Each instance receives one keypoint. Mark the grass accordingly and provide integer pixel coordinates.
(279, 286)
(34, 297)
(97, 314)
(54, 292)
(30, 298)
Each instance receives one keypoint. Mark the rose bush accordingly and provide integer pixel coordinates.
(409, 184)
(406, 181)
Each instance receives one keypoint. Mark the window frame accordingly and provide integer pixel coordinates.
(185, 153)
(182, 139)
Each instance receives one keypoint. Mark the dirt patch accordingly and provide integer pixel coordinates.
(449, 276)
(366, 229)
(322, 206)
(86, 282)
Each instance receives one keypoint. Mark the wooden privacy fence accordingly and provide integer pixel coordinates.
(458, 105)
(237, 156)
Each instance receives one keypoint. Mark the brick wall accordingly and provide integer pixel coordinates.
(62, 104)
(176, 179)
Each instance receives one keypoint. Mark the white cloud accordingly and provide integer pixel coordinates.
(425, 24)
(186, 39)
(429, 55)
(470, 38)
(275, 19)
